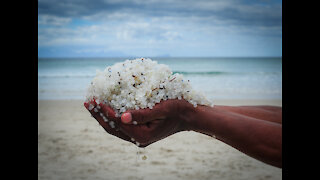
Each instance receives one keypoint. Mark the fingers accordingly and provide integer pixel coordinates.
(122, 134)
(143, 116)
(100, 113)
(101, 110)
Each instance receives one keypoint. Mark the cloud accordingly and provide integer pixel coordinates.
(158, 27)
(228, 10)
(53, 20)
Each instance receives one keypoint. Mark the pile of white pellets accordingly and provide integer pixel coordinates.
(140, 83)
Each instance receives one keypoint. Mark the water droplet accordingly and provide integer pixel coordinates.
(144, 157)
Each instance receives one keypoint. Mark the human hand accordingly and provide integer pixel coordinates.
(106, 118)
(146, 126)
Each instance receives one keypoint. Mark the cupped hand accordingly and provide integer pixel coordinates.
(146, 126)
(106, 118)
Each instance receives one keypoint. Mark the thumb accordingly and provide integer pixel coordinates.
(141, 116)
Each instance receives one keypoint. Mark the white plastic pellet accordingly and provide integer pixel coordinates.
(105, 119)
(138, 84)
(111, 123)
(91, 107)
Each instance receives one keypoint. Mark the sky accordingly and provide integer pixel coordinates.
(159, 28)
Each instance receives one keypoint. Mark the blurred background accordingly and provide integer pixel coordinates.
(256, 78)
(231, 50)
(227, 48)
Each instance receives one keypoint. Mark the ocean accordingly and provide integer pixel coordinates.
(218, 78)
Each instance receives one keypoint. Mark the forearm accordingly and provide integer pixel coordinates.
(257, 138)
(268, 113)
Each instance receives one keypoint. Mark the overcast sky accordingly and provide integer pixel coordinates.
(141, 28)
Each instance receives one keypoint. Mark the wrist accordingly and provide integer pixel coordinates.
(193, 117)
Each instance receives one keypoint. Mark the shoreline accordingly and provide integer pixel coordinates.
(231, 102)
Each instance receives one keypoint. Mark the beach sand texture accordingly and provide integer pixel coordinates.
(71, 145)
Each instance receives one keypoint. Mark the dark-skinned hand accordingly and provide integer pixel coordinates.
(145, 126)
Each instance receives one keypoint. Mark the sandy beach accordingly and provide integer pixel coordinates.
(71, 145)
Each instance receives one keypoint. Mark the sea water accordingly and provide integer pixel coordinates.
(217, 78)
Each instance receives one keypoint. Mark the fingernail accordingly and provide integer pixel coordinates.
(126, 118)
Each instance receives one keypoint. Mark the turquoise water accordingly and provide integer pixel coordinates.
(217, 78)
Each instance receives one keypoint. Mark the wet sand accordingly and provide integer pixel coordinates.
(71, 145)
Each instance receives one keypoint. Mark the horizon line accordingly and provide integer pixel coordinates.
(98, 57)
